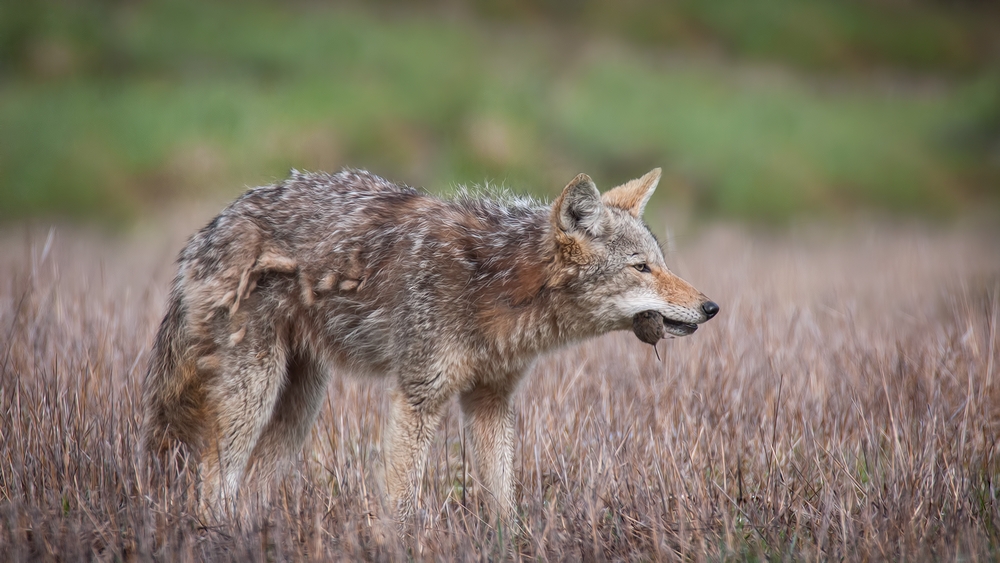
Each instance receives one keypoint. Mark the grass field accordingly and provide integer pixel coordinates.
(843, 405)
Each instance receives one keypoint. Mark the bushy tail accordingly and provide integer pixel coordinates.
(173, 402)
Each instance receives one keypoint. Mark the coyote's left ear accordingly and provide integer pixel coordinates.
(633, 195)
(578, 208)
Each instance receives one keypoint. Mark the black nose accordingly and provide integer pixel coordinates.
(711, 308)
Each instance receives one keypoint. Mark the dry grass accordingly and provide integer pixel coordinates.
(842, 405)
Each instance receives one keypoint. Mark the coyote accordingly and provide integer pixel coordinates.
(445, 296)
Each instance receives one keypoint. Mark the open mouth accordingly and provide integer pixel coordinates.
(678, 328)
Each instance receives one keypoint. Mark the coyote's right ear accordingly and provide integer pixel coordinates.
(579, 207)
(633, 195)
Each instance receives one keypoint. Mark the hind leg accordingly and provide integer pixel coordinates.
(293, 417)
(243, 398)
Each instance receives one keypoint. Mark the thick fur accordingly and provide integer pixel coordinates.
(350, 271)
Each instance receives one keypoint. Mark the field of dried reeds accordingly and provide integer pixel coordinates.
(843, 405)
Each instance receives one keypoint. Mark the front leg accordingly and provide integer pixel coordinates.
(412, 423)
(489, 421)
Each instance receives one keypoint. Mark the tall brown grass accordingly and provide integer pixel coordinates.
(844, 404)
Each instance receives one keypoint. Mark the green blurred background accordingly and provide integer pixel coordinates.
(760, 111)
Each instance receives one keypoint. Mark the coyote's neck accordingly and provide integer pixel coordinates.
(529, 305)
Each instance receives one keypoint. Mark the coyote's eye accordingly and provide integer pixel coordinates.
(644, 268)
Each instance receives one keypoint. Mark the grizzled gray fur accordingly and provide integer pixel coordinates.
(445, 296)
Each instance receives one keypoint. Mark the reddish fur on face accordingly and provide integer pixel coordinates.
(572, 249)
(676, 290)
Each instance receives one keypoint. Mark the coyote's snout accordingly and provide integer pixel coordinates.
(447, 297)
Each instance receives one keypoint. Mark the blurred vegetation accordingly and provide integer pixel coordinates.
(761, 110)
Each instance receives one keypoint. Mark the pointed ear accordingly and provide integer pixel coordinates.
(579, 208)
(633, 195)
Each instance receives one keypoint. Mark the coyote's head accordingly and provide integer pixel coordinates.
(616, 264)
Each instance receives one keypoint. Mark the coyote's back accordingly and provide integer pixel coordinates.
(446, 297)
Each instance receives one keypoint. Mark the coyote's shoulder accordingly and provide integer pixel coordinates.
(446, 296)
